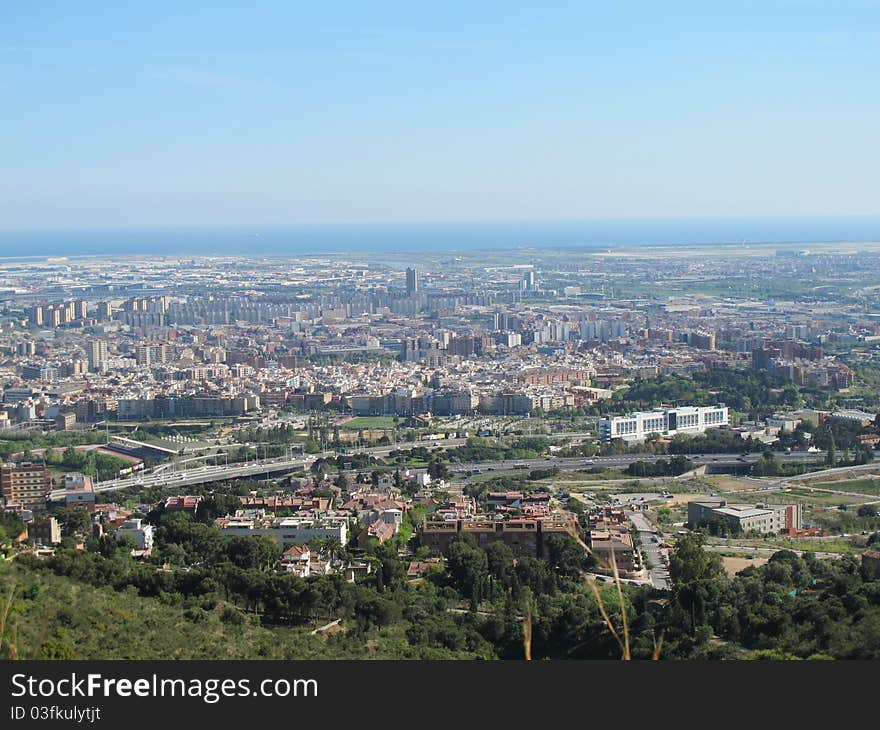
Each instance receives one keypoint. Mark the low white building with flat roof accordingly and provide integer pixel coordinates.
(141, 533)
(286, 531)
(636, 427)
(79, 490)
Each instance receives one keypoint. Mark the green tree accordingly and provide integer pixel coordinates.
(73, 521)
(565, 555)
(500, 562)
(692, 562)
(469, 569)
(253, 553)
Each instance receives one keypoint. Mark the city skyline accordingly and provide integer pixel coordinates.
(269, 435)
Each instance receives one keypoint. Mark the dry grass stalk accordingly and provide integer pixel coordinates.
(604, 613)
(622, 642)
(622, 604)
(527, 633)
(658, 645)
(583, 545)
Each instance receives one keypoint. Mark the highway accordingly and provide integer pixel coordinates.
(161, 477)
(624, 460)
(184, 477)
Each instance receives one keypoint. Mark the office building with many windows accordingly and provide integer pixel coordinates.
(636, 427)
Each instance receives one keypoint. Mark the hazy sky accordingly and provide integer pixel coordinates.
(178, 113)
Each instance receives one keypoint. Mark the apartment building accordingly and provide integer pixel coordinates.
(25, 485)
(524, 536)
(297, 530)
(613, 548)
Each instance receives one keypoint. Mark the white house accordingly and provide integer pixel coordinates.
(140, 531)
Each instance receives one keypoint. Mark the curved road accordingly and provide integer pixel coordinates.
(212, 473)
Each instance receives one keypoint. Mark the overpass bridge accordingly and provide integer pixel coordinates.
(208, 473)
(185, 477)
(202, 474)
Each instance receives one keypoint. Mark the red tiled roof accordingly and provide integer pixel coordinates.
(295, 551)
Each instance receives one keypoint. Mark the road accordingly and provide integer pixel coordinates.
(624, 460)
(768, 551)
(775, 485)
(198, 475)
(646, 531)
(160, 477)
(212, 473)
(836, 470)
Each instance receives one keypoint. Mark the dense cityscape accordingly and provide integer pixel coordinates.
(456, 454)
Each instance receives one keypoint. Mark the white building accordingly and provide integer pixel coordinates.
(79, 490)
(853, 414)
(636, 427)
(287, 530)
(297, 560)
(422, 478)
(140, 531)
(783, 422)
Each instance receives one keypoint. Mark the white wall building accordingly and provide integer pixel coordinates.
(288, 530)
(636, 427)
(140, 531)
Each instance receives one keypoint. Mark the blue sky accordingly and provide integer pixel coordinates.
(188, 113)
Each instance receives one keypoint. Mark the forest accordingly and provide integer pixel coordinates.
(477, 607)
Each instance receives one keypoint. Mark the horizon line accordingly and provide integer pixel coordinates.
(429, 221)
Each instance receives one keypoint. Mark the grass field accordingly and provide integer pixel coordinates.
(800, 496)
(725, 483)
(734, 564)
(846, 475)
(860, 486)
(582, 478)
(842, 545)
(365, 422)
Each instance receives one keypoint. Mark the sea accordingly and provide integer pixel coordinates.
(316, 239)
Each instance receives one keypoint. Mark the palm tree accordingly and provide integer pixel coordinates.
(317, 544)
(332, 545)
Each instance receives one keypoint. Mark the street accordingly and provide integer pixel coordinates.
(646, 531)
